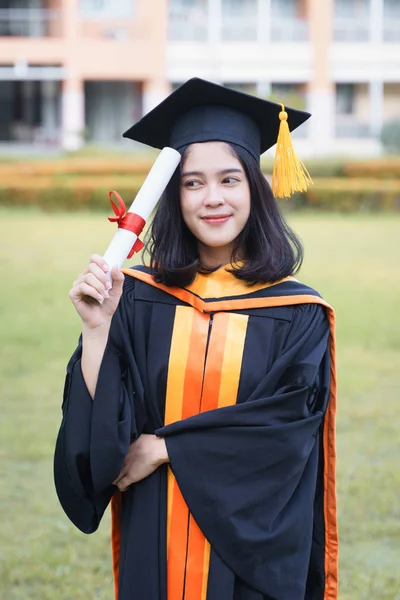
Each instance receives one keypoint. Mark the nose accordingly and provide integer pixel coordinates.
(214, 196)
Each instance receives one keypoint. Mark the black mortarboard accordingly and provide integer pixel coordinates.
(202, 111)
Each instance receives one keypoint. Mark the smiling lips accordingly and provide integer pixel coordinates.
(215, 219)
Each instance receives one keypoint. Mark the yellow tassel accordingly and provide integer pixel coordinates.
(289, 174)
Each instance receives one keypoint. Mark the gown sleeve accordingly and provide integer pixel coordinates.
(248, 472)
(95, 435)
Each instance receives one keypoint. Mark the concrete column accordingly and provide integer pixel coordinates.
(376, 14)
(321, 89)
(154, 91)
(70, 20)
(72, 95)
(376, 107)
(263, 89)
(72, 113)
(321, 104)
(264, 21)
(214, 13)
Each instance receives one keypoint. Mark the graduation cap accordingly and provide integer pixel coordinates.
(202, 111)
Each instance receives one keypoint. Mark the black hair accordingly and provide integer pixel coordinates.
(272, 249)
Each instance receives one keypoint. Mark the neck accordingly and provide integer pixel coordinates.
(214, 257)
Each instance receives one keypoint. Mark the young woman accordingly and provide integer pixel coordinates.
(201, 397)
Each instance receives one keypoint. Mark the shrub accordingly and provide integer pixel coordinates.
(381, 168)
(332, 167)
(72, 193)
(348, 195)
(68, 193)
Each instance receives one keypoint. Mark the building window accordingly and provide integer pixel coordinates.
(187, 20)
(187, 5)
(352, 8)
(113, 9)
(392, 8)
(239, 7)
(351, 21)
(291, 94)
(239, 20)
(284, 8)
(345, 95)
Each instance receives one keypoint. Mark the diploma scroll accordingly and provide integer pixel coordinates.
(143, 205)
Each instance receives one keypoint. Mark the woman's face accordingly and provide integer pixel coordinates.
(215, 198)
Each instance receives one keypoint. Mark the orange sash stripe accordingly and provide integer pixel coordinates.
(185, 379)
(232, 359)
(215, 359)
(116, 537)
(196, 569)
(330, 509)
(198, 547)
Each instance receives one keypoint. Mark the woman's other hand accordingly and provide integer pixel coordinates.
(144, 456)
(94, 296)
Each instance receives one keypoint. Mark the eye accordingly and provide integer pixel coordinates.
(230, 180)
(191, 183)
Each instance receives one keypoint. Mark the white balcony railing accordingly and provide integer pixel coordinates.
(28, 22)
(360, 30)
(239, 28)
(351, 29)
(192, 25)
(289, 30)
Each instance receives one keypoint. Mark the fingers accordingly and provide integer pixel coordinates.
(122, 474)
(99, 273)
(94, 281)
(100, 269)
(123, 484)
(100, 285)
(84, 289)
(123, 480)
(100, 262)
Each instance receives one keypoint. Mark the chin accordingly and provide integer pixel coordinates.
(217, 239)
(217, 243)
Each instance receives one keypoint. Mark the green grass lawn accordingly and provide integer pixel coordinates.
(352, 260)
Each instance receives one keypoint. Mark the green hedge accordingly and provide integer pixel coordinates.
(72, 168)
(68, 193)
(380, 168)
(350, 195)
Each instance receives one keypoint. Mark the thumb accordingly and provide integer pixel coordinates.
(117, 278)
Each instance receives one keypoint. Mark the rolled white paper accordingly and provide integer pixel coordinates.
(144, 204)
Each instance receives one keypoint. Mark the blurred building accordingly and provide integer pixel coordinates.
(75, 70)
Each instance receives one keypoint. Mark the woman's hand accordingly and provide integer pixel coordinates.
(92, 295)
(144, 456)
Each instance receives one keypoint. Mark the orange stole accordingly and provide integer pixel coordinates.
(197, 383)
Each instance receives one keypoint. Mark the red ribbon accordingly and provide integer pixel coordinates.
(127, 220)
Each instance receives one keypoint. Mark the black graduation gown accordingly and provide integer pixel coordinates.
(257, 472)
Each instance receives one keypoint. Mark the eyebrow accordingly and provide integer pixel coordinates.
(200, 173)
